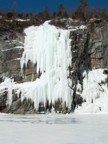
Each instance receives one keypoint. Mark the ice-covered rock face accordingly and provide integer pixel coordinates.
(55, 73)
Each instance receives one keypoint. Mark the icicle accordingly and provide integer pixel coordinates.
(49, 48)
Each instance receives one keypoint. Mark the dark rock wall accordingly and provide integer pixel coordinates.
(11, 48)
(98, 47)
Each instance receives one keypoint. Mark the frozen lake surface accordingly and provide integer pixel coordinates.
(53, 129)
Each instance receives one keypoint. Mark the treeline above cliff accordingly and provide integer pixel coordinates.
(83, 12)
(18, 21)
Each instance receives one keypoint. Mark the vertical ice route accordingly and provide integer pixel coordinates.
(49, 48)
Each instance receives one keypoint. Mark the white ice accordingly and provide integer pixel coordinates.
(94, 93)
(49, 48)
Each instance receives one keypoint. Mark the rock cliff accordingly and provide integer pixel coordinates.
(89, 50)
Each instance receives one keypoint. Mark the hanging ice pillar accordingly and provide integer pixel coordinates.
(49, 48)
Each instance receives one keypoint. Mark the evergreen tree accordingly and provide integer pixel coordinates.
(60, 11)
(83, 8)
(81, 11)
(83, 4)
(46, 13)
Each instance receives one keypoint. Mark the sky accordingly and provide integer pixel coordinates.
(39, 5)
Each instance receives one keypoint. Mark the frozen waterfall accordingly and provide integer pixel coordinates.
(49, 48)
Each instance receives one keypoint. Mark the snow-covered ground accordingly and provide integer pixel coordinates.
(53, 129)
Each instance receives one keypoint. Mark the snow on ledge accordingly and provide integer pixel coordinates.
(22, 20)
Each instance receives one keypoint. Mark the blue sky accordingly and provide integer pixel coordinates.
(38, 5)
